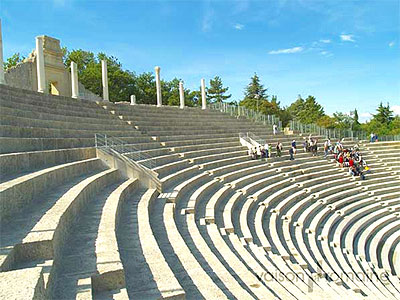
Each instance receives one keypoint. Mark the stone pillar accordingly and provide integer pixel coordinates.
(2, 81)
(41, 79)
(133, 99)
(74, 80)
(181, 95)
(203, 94)
(158, 86)
(104, 79)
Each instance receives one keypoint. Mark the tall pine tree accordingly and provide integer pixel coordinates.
(384, 115)
(216, 91)
(255, 95)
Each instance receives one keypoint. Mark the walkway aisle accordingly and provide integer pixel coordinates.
(139, 279)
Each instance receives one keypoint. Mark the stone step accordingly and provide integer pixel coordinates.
(26, 122)
(36, 132)
(16, 164)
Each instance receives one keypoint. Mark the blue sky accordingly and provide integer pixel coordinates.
(345, 53)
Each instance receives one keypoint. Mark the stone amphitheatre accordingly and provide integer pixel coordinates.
(125, 201)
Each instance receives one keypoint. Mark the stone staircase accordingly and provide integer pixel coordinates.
(223, 226)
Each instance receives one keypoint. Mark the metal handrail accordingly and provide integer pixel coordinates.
(120, 147)
(251, 138)
(337, 133)
(243, 112)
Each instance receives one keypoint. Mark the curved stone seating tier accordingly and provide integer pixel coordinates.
(13, 144)
(110, 272)
(203, 283)
(34, 132)
(27, 122)
(167, 285)
(23, 190)
(65, 116)
(336, 243)
(15, 164)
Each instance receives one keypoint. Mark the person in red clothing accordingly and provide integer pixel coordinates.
(351, 162)
(341, 160)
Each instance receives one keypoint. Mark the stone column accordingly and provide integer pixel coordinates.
(133, 99)
(2, 81)
(158, 86)
(104, 79)
(181, 95)
(41, 79)
(74, 80)
(203, 94)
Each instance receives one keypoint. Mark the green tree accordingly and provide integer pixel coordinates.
(121, 83)
(306, 111)
(356, 124)
(12, 61)
(384, 115)
(296, 107)
(146, 89)
(383, 122)
(216, 91)
(255, 95)
(327, 122)
(342, 121)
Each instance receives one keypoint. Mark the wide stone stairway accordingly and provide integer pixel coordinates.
(222, 226)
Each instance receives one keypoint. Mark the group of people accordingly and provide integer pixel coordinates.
(265, 151)
(351, 159)
(311, 145)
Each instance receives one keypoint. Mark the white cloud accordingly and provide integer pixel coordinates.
(238, 26)
(208, 19)
(287, 51)
(347, 37)
(391, 44)
(326, 53)
(325, 41)
(396, 109)
(364, 117)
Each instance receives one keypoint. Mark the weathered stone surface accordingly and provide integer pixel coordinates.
(22, 284)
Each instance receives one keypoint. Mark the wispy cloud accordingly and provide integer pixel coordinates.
(391, 44)
(365, 116)
(347, 37)
(326, 53)
(287, 51)
(238, 26)
(325, 41)
(207, 22)
(396, 109)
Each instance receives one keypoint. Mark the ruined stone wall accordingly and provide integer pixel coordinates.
(22, 76)
(87, 95)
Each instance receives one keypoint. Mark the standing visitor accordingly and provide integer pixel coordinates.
(291, 153)
(266, 147)
(275, 129)
(326, 149)
(279, 149)
(294, 146)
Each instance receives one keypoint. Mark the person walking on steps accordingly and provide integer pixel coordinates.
(291, 153)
